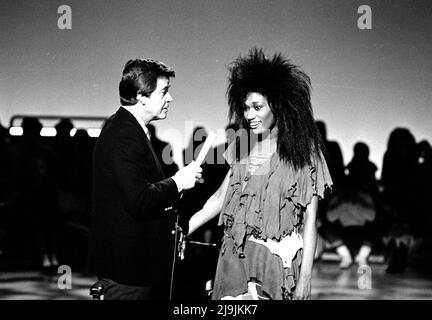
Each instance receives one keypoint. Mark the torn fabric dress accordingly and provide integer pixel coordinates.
(262, 216)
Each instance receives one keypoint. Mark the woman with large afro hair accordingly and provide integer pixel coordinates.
(268, 200)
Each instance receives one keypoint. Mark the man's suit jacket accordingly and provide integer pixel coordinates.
(131, 241)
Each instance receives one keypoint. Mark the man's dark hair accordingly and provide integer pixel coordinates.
(140, 77)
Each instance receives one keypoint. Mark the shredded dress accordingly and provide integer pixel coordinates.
(262, 216)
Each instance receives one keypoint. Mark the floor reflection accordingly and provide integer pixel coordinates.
(329, 283)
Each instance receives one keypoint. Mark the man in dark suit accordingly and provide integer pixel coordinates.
(134, 204)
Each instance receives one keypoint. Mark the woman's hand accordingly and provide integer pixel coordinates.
(303, 289)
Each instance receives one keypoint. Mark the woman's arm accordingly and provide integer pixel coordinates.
(303, 287)
(211, 208)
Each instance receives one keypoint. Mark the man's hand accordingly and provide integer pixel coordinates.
(186, 177)
(303, 289)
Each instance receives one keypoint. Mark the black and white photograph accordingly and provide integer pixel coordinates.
(191, 151)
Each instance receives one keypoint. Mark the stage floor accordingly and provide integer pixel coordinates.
(329, 283)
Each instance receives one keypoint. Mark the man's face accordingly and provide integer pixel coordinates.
(156, 105)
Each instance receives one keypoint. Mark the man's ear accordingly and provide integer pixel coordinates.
(141, 98)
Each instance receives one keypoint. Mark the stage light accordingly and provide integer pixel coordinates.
(16, 131)
(48, 132)
(93, 132)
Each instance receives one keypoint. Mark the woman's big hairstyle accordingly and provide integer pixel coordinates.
(287, 89)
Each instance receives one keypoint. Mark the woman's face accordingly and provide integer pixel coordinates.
(257, 113)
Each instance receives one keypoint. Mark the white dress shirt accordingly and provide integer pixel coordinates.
(138, 113)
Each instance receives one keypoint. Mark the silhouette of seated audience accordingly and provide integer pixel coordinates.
(352, 213)
(45, 188)
(423, 177)
(400, 193)
(48, 192)
(73, 172)
(335, 163)
(37, 204)
(421, 246)
(7, 195)
(73, 165)
(83, 147)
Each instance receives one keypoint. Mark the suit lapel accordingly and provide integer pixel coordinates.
(123, 113)
(155, 158)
